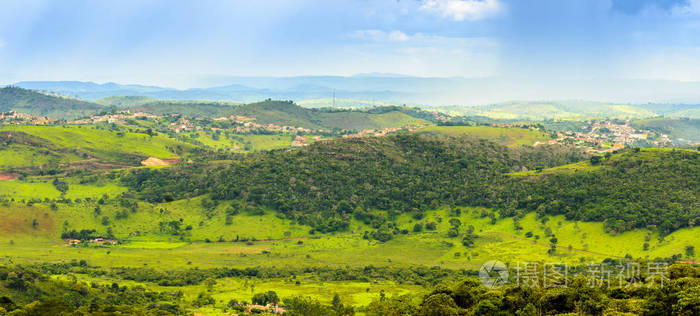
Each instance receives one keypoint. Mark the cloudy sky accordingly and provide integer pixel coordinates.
(195, 43)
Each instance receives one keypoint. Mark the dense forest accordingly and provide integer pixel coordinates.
(325, 184)
(330, 182)
(635, 189)
(31, 290)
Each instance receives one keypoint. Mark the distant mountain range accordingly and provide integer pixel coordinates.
(396, 89)
(66, 99)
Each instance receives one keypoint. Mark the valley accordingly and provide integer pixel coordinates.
(208, 206)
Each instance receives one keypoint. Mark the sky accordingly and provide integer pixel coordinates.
(185, 44)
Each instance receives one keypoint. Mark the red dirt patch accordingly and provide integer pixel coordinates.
(7, 176)
(153, 161)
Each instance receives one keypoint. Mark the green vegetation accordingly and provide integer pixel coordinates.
(579, 110)
(653, 188)
(33, 102)
(187, 108)
(57, 147)
(125, 101)
(501, 135)
(343, 103)
(375, 226)
(328, 183)
(288, 113)
(681, 131)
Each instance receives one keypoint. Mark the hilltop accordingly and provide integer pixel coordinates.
(681, 130)
(288, 113)
(37, 103)
(506, 136)
(540, 110)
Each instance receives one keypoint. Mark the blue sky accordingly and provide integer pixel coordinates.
(199, 43)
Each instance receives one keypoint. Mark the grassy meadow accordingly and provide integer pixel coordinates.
(82, 144)
(31, 234)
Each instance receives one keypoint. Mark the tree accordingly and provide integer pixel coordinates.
(439, 304)
(417, 228)
(690, 251)
(265, 298)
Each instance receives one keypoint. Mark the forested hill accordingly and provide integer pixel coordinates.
(327, 183)
(640, 188)
(33, 102)
(288, 113)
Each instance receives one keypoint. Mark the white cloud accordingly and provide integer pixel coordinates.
(691, 8)
(460, 10)
(381, 36)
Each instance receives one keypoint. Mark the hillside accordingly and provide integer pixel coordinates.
(288, 113)
(533, 110)
(187, 108)
(366, 218)
(653, 188)
(693, 113)
(323, 184)
(501, 135)
(125, 101)
(33, 102)
(682, 131)
(53, 148)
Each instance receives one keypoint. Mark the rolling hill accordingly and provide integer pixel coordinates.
(46, 148)
(366, 218)
(125, 101)
(681, 130)
(288, 113)
(33, 102)
(501, 135)
(534, 110)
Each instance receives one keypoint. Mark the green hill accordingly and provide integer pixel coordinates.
(33, 102)
(288, 113)
(501, 135)
(688, 113)
(59, 147)
(372, 219)
(681, 131)
(653, 188)
(536, 110)
(343, 103)
(187, 108)
(323, 183)
(125, 101)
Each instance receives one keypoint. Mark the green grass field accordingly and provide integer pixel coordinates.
(101, 141)
(32, 224)
(24, 156)
(281, 243)
(63, 145)
(140, 233)
(505, 136)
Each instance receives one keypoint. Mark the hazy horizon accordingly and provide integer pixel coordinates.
(536, 50)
